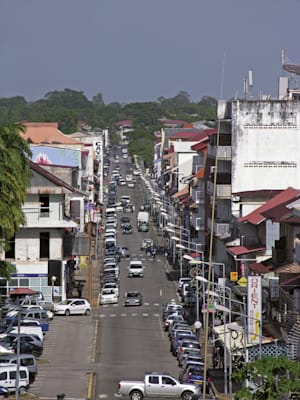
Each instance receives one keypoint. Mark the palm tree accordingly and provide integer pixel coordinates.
(14, 179)
(274, 378)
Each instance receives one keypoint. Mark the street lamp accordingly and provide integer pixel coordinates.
(53, 280)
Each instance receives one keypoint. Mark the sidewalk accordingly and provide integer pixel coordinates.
(83, 275)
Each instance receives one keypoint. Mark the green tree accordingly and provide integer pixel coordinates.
(14, 180)
(274, 377)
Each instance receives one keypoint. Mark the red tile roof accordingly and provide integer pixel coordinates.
(46, 133)
(193, 136)
(241, 250)
(199, 146)
(260, 268)
(257, 216)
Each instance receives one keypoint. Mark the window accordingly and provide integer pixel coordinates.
(12, 375)
(166, 380)
(23, 374)
(154, 380)
(44, 204)
(10, 253)
(3, 376)
(44, 244)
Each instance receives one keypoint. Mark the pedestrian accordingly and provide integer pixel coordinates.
(153, 253)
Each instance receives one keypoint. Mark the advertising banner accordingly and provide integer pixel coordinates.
(254, 309)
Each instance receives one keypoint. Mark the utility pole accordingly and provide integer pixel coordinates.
(90, 272)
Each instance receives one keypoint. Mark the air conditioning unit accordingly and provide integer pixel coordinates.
(236, 199)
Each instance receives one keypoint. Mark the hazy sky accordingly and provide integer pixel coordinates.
(139, 50)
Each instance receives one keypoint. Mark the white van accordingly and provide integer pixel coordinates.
(8, 375)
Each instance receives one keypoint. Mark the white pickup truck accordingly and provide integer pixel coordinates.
(159, 386)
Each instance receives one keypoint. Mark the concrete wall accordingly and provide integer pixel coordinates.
(27, 244)
(265, 145)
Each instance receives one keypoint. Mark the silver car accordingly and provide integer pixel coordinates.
(133, 298)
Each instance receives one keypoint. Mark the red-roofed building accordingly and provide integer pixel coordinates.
(260, 214)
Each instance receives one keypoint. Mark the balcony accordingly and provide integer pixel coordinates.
(221, 229)
(222, 152)
(223, 191)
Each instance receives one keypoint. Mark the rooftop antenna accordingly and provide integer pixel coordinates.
(245, 87)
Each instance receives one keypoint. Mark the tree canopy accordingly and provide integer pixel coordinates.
(275, 378)
(70, 108)
(14, 180)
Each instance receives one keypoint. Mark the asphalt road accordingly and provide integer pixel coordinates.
(131, 339)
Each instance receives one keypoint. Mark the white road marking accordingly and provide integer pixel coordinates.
(156, 304)
(103, 396)
(156, 315)
(134, 314)
(102, 315)
(113, 315)
(145, 315)
(123, 315)
(160, 293)
(146, 304)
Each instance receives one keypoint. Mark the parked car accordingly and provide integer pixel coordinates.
(195, 376)
(72, 306)
(112, 285)
(28, 343)
(170, 319)
(181, 281)
(108, 296)
(25, 360)
(133, 298)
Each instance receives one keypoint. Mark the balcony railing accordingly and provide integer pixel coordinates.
(222, 191)
(220, 228)
(222, 152)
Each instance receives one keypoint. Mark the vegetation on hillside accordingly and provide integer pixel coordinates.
(70, 108)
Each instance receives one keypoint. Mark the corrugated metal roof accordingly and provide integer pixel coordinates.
(240, 250)
(257, 216)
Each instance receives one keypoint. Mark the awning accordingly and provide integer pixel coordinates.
(181, 192)
(260, 268)
(22, 292)
(241, 250)
(195, 255)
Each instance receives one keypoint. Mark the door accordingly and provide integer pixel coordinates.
(152, 386)
(77, 307)
(4, 379)
(168, 387)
